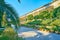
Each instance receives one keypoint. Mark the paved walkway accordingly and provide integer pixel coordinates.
(32, 34)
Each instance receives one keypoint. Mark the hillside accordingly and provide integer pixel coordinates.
(46, 19)
(48, 7)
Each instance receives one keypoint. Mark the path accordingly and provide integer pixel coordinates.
(32, 34)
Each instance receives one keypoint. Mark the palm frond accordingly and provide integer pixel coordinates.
(19, 1)
(10, 10)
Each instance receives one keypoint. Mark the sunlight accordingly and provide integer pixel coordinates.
(44, 33)
(27, 34)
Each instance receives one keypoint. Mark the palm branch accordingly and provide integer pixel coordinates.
(10, 12)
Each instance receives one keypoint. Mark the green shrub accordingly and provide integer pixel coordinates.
(55, 22)
(46, 22)
(30, 17)
(1, 30)
(9, 34)
(35, 22)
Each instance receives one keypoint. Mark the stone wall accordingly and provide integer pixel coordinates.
(48, 6)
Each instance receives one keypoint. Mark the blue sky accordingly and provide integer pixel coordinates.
(27, 5)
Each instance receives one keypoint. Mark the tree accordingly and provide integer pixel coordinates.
(10, 14)
(4, 21)
(30, 17)
(56, 12)
(36, 17)
(43, 14)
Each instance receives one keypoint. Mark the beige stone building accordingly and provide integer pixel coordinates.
(48, 6)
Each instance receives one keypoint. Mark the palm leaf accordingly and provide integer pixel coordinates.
(19, 1)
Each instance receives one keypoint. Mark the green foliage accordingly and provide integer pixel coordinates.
(4, 21)
(41, 26)
(56, 22)
(1, 31)
(30, 17)
(48, 18)
(43, 14)
(56, 11)
(9, 34)
(46, 22)
(37, 17)
(56, 29)
(10, 13)
(50, 15)
(35, 22)
(8, 16)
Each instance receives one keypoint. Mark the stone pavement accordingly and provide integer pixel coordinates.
(32, 34)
